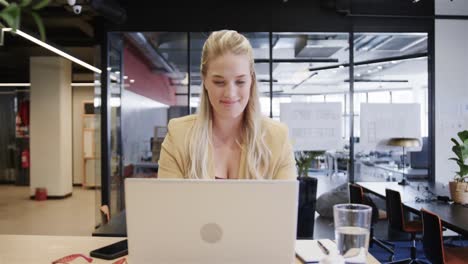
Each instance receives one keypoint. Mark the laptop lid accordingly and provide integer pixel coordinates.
(211, 221)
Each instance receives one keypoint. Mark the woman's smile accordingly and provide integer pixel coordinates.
(229, 102)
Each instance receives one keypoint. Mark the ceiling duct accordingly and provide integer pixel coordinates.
(340, 6)
(399, 43)
(371, 42)
(157, 60)
(305, 48)
(111, 10)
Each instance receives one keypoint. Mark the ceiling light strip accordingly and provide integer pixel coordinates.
(83, 84)
(53, 49)
(15, 84)
(28, 84)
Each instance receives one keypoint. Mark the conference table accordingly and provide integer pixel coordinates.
(25, 249)
(423, 195)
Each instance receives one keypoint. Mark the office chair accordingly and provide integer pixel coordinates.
(396, 221)
(356, 195)
(433, 242)
(306, 210)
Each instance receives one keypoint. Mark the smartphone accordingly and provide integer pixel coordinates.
(111, 251)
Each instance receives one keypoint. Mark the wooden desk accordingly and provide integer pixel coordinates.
(453, 216)
(24, 249)
(382, 169)
(410, 173)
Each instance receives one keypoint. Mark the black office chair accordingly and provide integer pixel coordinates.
(306, 210)
(433, 243)
(356, 195)
(396, 221)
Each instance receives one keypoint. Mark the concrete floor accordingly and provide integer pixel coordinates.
(323, 227)
(73, 216)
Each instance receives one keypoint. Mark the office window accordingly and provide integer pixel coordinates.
(309, 68)
(378, 97)
(314, 98)
(402, 97)
(391, 69)
(359, 98)
(276, 105)
(339, 98)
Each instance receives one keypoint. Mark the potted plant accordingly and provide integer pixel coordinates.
(304, 161)
(10, 14)
(307, 193)
(459, 185)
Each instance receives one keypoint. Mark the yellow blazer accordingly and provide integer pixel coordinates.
(174, 156)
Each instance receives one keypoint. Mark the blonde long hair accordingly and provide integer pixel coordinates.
(257, 152)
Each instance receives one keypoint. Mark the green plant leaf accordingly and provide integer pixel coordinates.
(465, 142)
(11, 15)
(41, 4)
(455, 142)
(463, 170)
(16, 13)
(24, 3)
(458, 152)
(11, 7)
(4, 3)
(460, 163)
(463, 135)
(464, 152)
(8, 18)
(40, 25)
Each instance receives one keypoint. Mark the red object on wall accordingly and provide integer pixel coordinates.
(23, 112)
(155, 86)
(41, 194)
(25, 159)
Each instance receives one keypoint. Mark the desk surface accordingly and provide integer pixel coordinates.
(24, 249)
(453, 216)
(407, 171)
(408, 193)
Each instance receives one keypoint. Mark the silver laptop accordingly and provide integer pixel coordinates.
(211, 221)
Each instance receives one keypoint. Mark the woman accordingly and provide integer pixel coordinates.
(228, 138)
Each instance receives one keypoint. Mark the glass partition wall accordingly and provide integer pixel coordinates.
(308, 79)
(109, 84)
(157, 78)
(390, 102)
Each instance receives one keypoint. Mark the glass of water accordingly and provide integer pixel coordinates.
(352, 228)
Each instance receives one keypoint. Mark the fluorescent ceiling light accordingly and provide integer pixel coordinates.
(53, 49)
(28, 84)
(114, 102)
(82, 84)
(15, 84)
